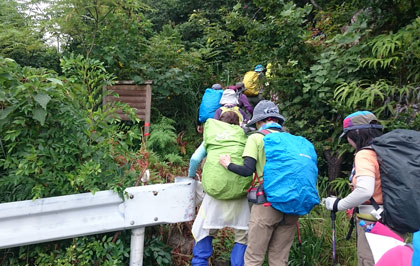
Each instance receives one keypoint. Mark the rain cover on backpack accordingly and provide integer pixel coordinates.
(223, 138)
(399, 162)
(209, 104)
(290, 173)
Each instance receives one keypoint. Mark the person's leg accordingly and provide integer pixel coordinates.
(238, 251)
(282, 240)
(261, 226)
(364, 254)
(202, 251)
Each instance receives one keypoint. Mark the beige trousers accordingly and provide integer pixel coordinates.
(269, 230)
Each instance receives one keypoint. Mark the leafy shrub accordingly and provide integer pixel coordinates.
(56, 139)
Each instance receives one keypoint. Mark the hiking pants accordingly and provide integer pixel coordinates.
(203, 249)
(364, 253)
(269, 229)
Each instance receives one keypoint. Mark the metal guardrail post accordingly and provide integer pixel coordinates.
(137, 246)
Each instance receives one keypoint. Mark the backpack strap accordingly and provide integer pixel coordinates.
(266, 131)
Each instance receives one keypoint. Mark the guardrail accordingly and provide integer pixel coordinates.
(55, 218)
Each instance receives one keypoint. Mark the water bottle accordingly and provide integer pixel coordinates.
(365, 226)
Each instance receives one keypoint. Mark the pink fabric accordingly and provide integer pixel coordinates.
(398, 256)
(381, 229)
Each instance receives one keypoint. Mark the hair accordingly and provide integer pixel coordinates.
(273, 119)
(230, 117)
(364, 137)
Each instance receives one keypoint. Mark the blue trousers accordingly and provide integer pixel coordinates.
(203, 250)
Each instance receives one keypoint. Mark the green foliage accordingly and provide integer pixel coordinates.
(21, 41)
(156, 252)
(162, 141)
(55, 138)
(91, 250)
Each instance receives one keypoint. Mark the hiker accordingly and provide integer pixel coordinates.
(269, 228)
(224, 203)
(360, 128)
(253, 81)
(229, 102)
(242, 98)
(209, 104)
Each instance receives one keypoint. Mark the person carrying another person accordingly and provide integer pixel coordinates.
(253, 82)
(224, 203)
(229, 102)
(269, 228)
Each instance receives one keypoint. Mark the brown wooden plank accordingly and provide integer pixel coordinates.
(138, 112)
(126, 99)
(127, 87)
(138, 93)
(139, 106)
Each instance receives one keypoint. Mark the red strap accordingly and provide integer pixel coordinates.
(147, 124)
(265, 131)
(267, 204)
(146, 134)
(255, 177)
(253, 182)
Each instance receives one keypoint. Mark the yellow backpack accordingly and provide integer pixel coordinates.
(233, 109)
(251, 83)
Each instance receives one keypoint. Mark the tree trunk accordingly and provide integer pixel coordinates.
(334, 164)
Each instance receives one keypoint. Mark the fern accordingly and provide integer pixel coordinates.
(162, 140)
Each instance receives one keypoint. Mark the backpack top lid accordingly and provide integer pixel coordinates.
(359, 120)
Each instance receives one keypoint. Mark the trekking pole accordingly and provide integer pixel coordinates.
(300, 243)
(333, 237)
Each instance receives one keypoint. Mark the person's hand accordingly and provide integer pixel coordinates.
(331, 203)
(225, 160)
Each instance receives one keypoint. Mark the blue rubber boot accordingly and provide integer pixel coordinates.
(237, 255)
(202, 251)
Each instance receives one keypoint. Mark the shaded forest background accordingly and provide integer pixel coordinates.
(329, 58)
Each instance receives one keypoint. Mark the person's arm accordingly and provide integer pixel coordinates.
(363, 192)
(245, 102)
(195, 160)
(244, 170)
(217, 114)
(244, 115)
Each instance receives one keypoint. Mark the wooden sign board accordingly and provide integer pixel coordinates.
(138, 96)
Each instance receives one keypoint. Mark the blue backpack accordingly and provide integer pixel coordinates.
(290, 173)
(209, 104)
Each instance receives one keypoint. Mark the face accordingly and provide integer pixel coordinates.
(352, 143)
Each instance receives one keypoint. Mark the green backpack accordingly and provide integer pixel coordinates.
(223, 138)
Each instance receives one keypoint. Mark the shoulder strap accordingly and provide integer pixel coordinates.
(266, 131)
